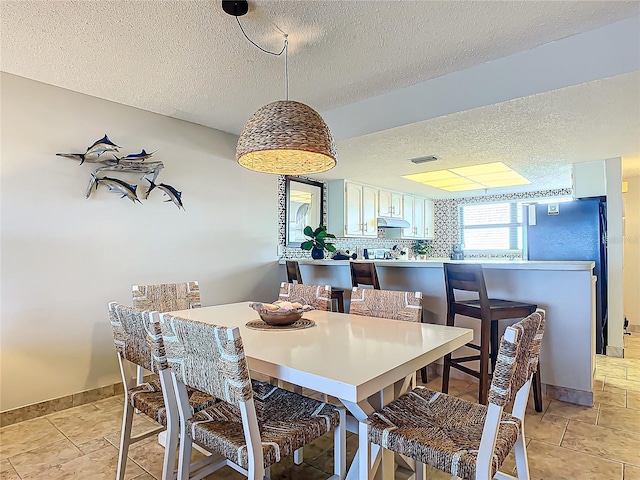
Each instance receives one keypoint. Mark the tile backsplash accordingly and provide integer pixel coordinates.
(446, 213)
(446, 222)
(341, 243)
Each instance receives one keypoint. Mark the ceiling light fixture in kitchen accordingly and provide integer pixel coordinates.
(283, 137)
(475, 177)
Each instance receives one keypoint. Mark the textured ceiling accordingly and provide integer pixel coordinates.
(538, 136)
(189, 60)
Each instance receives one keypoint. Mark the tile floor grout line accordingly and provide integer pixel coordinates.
(597, 456)
(581, 452)
(129, 459)
(13, 467)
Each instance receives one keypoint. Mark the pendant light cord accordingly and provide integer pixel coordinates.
(285, 49)
(286, 67)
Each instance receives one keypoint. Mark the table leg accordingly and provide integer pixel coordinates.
(388, 457)
(369, 457)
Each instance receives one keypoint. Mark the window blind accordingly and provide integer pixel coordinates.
(491, 227)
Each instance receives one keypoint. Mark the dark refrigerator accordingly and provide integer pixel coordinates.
(573, 230)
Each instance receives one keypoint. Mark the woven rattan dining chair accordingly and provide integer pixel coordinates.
(465, 439)
(295, 276)
(255, 424)
(391, 304)
(395, 305)
(319, 297)
(165, 297)
(138, 341)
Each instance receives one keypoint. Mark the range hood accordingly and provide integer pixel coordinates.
(386, 222)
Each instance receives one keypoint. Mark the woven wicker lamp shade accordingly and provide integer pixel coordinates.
(286, 138)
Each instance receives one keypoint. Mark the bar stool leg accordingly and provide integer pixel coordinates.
(485, 340)
(494, 345)
(446, 368)
(340, 302)
(537, 390)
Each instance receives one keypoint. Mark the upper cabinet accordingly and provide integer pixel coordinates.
(418, 212)
(353, 209)
(429, 221)
(389, 204)
(589, 179)
(413, 212)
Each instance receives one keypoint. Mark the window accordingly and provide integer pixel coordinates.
(491, 227)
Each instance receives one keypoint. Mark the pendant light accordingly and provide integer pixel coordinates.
(283, 137)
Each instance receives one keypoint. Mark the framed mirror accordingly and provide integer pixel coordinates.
(303, 207)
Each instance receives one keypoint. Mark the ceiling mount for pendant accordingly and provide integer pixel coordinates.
(235, 8)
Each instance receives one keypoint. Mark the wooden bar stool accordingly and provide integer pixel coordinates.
(294, 276)
(469, 278)
(364, 273)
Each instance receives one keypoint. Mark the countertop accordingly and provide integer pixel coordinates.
(486, 263)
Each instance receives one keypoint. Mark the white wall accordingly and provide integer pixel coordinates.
(615, 288)
(632, 252)
(64, 258)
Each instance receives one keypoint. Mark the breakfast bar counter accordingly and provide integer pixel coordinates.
(566, 290)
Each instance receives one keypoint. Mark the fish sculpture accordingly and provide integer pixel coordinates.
(73, 156)
(174, 195)
(101, 146)
(118, 186)
(130, 163)
(138, 157)
(92, 155)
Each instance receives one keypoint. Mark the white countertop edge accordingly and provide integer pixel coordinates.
(487, 264)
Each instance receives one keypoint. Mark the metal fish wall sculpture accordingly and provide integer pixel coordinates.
(131, 163)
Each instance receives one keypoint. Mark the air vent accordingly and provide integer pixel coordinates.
(425, 159)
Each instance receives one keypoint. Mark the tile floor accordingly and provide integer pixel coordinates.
(564, 442)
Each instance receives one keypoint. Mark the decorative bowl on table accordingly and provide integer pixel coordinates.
(280, 313)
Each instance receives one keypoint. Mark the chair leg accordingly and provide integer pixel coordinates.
(537, 390)
(184, 458)
(483, 387)
(169, 456)
(298, 456)
(446, 368)
(495, 345)
(423, 375)
(340, 447)
(364, 452)
(421, 471)
(125, 439)
(522, 463)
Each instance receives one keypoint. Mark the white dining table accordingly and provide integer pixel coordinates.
(350, 357)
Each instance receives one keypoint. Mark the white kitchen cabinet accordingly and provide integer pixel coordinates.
(352, 210)
(389, 204)
(589, 179)
(429, 219)
(413, 212)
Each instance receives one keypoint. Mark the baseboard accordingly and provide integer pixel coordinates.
(617, 352)
(634, 328)
(35, 410)
(570, 395)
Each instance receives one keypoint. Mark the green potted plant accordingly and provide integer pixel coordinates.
(422, 248)
(317, 242)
